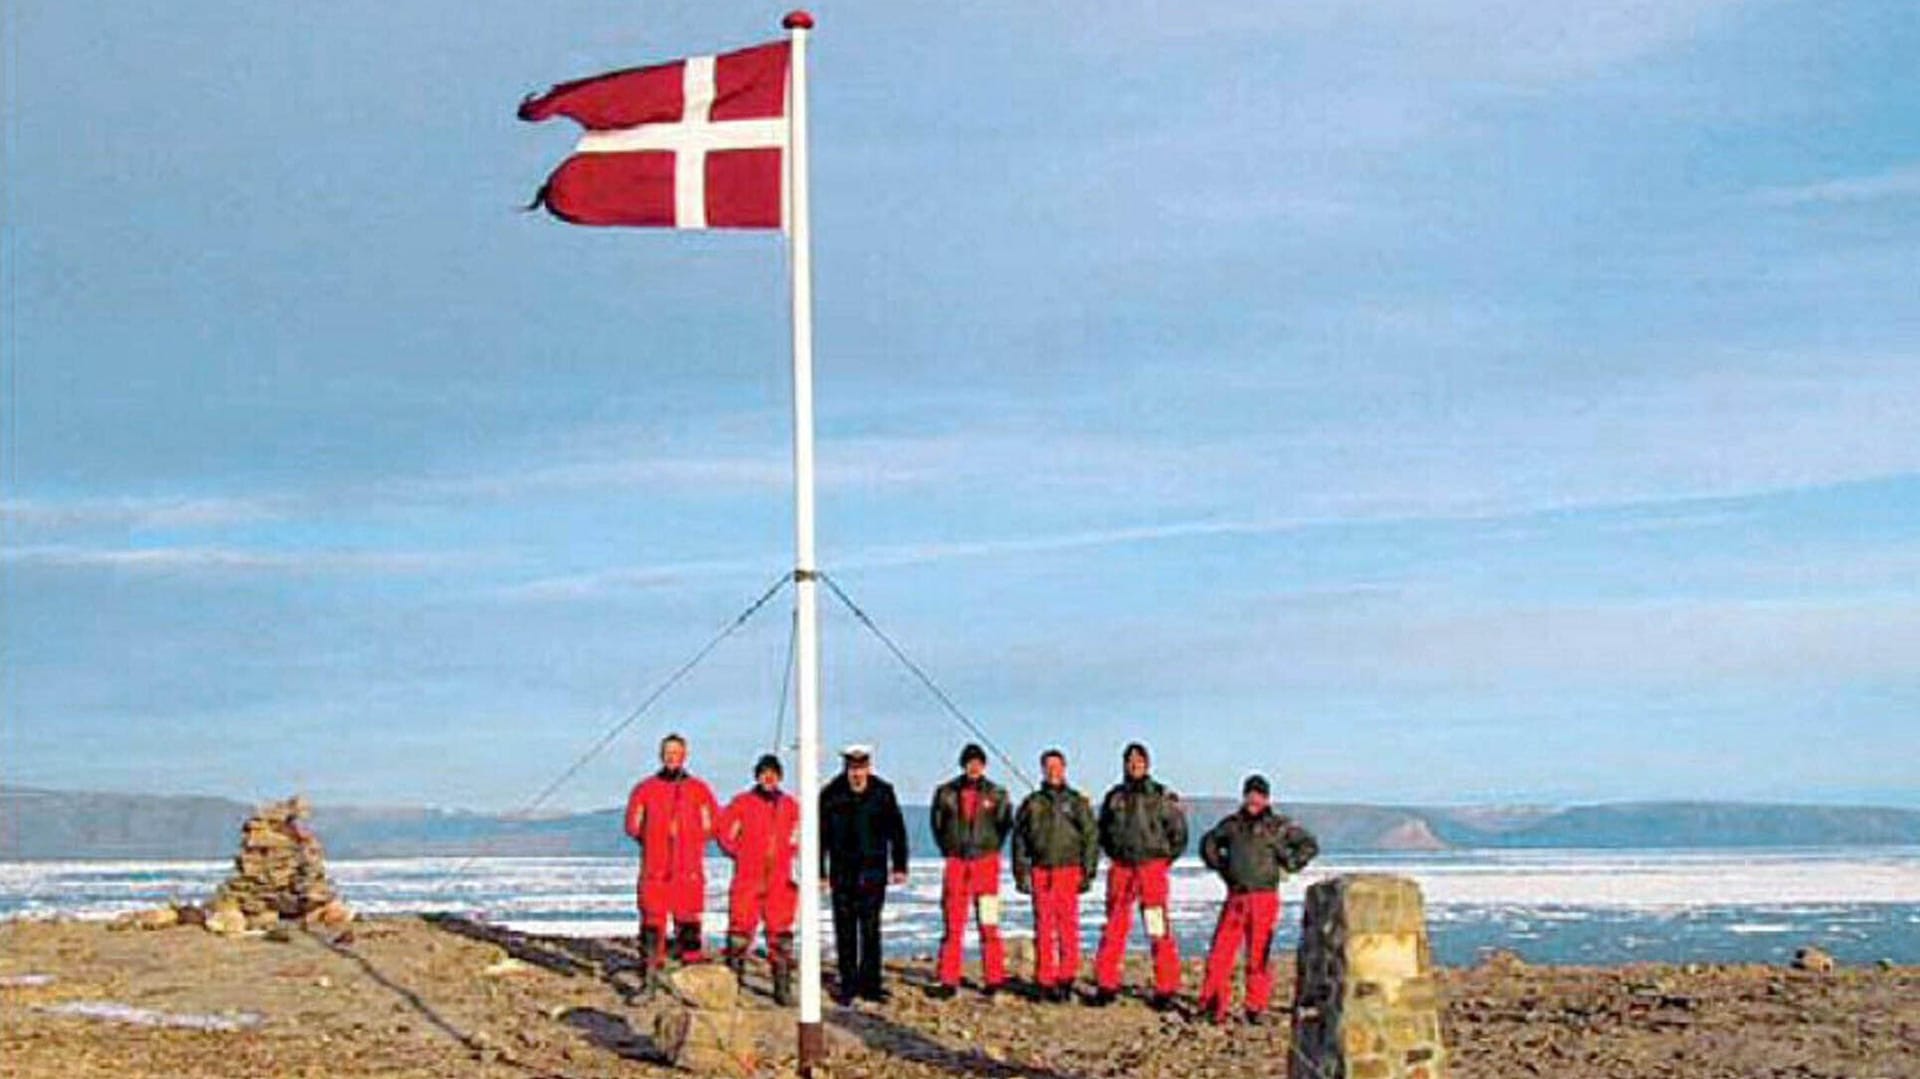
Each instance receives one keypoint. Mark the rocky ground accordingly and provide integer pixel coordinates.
(412, 997)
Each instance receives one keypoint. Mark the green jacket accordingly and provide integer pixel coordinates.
(961, 836)
(1054, 828)
(1141, 821)
(1255, 853)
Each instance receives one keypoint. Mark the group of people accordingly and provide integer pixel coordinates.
(1057, 839)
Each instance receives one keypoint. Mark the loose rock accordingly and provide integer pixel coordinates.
(1813, 959)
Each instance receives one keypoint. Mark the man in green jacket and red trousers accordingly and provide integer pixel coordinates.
(1142, 830)
(1253, 851)
(1056, 851)
(971, 820)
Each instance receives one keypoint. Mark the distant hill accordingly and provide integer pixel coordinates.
(46, 824)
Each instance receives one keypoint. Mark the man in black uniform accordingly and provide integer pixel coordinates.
(863, 848)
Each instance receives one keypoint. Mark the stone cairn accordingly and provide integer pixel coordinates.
(1366, 1006)
(279, 876)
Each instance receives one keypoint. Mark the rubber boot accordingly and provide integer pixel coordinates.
(651, 959)
(687, 937)
(736, 954)
(782, 986)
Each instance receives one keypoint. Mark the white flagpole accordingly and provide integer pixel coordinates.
(806, 651)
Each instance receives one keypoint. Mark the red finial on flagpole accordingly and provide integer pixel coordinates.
(797, 19)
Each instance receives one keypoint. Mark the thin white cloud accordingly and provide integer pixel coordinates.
(918, 553)
(1899, 183)
(168, 512)
(171, 560)
(599, 585)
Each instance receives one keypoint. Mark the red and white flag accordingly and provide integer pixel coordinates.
(692, 144)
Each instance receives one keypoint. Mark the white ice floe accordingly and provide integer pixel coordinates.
(113, 1011)
(25, 981)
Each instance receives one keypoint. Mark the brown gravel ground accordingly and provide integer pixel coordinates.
(411, 997)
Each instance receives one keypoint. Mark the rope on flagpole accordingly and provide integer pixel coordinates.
(632, 717)
(786, 684)
(926, 680)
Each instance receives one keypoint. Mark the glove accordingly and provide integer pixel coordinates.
(1086, 883)
(1023, 885)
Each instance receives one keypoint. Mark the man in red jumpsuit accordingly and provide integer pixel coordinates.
(1142, 830)
(971, 820)
(1056, 848)
(760, 830)
(671, 815)
(1253, 851)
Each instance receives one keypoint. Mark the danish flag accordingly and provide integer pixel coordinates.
(692, 144)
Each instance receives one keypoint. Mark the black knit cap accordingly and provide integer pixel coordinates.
(1135, 747)
(972, 752)
(1256, 782)
(768, 762)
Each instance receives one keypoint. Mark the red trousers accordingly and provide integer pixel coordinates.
(1248, 918)
(1146, 885)
(1056, 925)
(972, 884)
(679, 897)
(753, 903)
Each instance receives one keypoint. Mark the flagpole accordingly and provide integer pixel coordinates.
(806, 607)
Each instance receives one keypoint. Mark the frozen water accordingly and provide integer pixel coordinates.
(1551, 906)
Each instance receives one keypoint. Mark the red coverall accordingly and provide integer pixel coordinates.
(1056, 917)
(1146, 884)
(671, 815)
(1248, 917)
(761, 832)
(965, 883)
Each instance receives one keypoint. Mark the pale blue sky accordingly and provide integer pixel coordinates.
(1416, 401)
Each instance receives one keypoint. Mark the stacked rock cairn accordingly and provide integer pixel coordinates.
(280, 875)
(1366, 1006)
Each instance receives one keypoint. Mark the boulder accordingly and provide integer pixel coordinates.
(1020, 953)
(1502, 960)
(705, 986)
(1813, 959)
(706, 1042)
(226, 921)
(333, 915)
(155, 918)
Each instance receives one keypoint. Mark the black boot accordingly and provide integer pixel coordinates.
(736, 954)
(780, 960)
(652, 959)
(782, 986)
(688, 942)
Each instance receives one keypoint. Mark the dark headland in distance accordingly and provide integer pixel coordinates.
(53, 824)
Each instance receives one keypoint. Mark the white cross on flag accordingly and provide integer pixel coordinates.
(692, 144)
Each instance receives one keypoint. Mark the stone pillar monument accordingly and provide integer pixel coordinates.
(1365, 1004)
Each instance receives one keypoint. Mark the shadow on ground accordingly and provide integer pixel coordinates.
(614, 1034)
(341, 947)
(617, 965)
